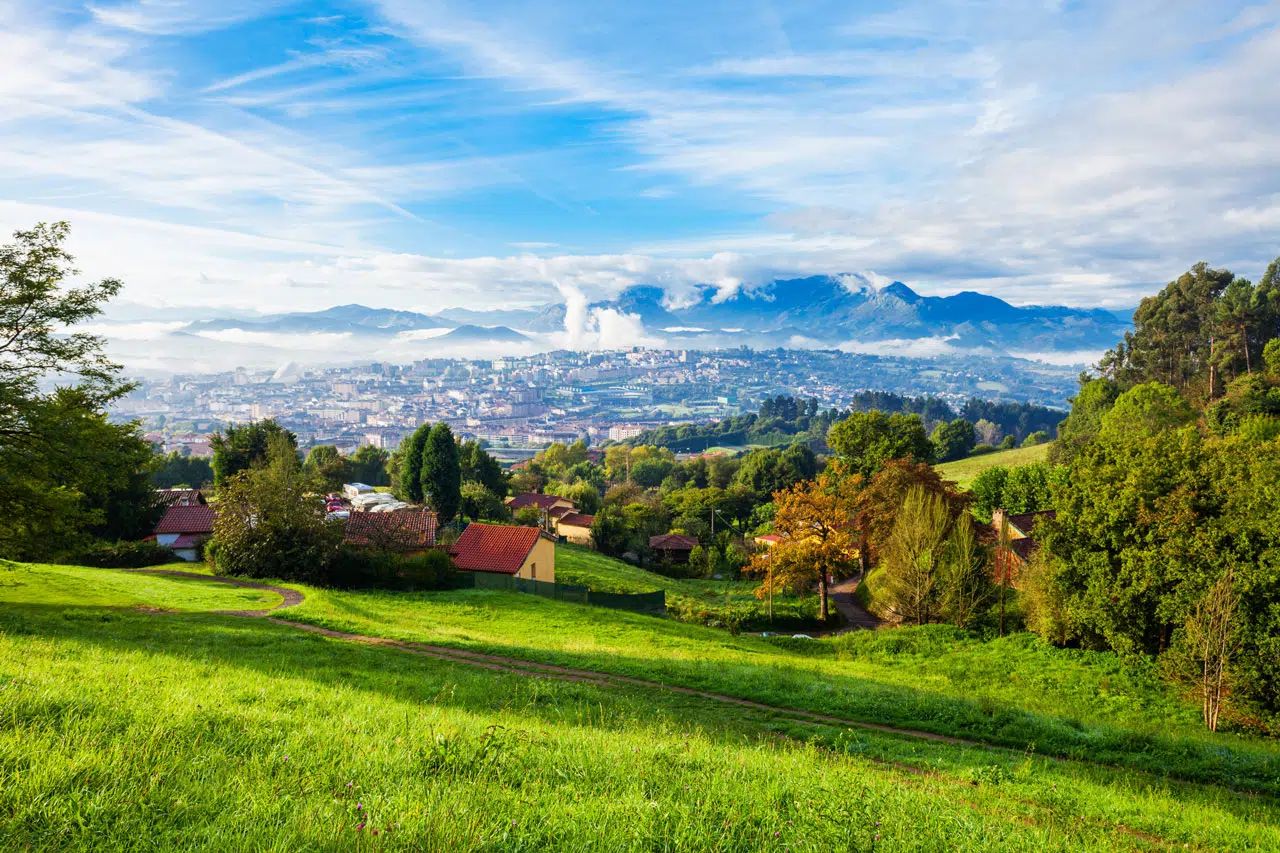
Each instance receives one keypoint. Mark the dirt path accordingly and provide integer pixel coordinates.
(292, 598)
(856, 617)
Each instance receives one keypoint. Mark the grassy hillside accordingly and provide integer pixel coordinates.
(705, 602)
(965, 470)
(271, 738)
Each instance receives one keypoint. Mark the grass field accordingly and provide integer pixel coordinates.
(963, 471)
(696, 600)
(124, 728)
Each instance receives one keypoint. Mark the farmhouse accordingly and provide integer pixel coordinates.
(673, 547)
(524, 552)
(408, 533)
(545, 503)
(1021, 536)
(183, 528)
(575, 527)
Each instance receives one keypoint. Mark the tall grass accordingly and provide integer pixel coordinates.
(123, 730)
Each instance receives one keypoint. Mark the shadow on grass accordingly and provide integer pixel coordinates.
(276, 650)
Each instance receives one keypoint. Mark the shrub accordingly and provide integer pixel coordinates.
(1035, 438)
(360, 568)
(123, 555)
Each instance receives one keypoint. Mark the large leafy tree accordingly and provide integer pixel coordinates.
(326, 467)
(174, 469)
(771, 470)
(816, 522)
(953, 440)
(369, 465)
(268, 525)
(479, 467)
(441, 473)
(67, 473)
(244, 446)
(865, 441)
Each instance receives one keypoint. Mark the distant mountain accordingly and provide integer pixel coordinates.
(482, 335)
(341, 318)
(837, 310)
(823, 310)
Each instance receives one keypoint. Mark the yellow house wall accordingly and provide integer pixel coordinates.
(543, 555)
(576, 535)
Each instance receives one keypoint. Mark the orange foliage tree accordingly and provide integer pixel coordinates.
(817, 537)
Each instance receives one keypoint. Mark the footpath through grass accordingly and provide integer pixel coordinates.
(1017, 692)
(158, 731)
(964, 471)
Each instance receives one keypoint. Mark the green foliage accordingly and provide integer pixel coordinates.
(1016, 419)
(270, 526)
(584, 495)
(1095, 399)
(477, 466)
(609, 532)
(529, 516)
(650, 473)
(1200, 331)
(1147, 410)
(866, 440)
(1007, 443)
(327, 469)
(1023, 488)
(369, 465)
(953, 440)
(365, 568)
(174, 469)
(409, 485)
(241, 448)
(441, 473)
(1271, 355)
(480, 504)
(67, 474)
(1036, 438)
(123, 555)
(771, 470)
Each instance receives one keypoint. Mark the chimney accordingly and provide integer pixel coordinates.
(997, 519)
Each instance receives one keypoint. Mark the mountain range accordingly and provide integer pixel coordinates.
(825, 311)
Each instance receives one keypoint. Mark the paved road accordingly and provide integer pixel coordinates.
(856, 617)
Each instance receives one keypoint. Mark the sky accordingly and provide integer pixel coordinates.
(257, 155)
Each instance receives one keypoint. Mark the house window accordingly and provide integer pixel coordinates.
(533, 571)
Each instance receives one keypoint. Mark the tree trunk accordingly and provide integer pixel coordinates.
(1244, 335)
(822, 597)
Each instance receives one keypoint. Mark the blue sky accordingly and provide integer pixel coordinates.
(415, 154)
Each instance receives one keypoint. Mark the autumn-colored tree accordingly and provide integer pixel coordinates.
(819, 538)
(877, 501)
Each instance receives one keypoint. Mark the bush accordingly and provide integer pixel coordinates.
(358, 568)
(123, 555)
(1039, 437)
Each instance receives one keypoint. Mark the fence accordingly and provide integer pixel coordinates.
(644, 602)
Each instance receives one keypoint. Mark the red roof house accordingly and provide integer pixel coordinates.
(405, 532)
(506, 549)
(183, 527)
(674, 546)
(542, 502)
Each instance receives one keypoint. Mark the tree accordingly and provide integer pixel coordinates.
(326, 467)
(877, 502)
(772, 470)
(953, 440)
(987, 431)
(174, 469)
(67, 473)
(914, 555)
(584, 495)
(815, 520)
(609, 532)
(268, 525)
(410, 480)
(477, 466)
(1036, 438)
(478, 503)
(369, 465)
(866, 440)
(239, 448)
(1203, 658)
(965, 574)
(441, 473)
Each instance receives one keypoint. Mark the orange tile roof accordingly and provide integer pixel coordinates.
(493, 547)
(673, 542)
(577, 519)
(530, 499)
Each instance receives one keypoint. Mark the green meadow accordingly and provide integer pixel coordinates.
(964, 471)
(134, 718)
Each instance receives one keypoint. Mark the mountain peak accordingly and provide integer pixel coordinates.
(901, 291)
